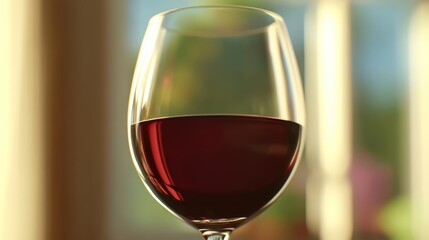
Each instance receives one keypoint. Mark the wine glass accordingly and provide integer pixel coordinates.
(216, 114)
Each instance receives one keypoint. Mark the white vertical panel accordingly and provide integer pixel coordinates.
(21, 191)
(419, 120)
(328, 92)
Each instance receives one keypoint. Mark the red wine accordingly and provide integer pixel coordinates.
(215, 169)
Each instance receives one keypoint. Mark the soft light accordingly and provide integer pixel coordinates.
(21, 176)
(419, 120)
(329, 126)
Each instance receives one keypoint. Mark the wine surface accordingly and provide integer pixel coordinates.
(215, 170)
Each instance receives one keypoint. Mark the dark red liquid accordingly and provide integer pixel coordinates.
(222, 168)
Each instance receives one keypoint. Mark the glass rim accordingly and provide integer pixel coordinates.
(275, 18)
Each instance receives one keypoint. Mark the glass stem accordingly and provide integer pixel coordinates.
(215, 235)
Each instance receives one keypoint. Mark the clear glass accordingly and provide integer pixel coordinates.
(216, 114)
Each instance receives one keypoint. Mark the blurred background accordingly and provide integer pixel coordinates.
(65, 169)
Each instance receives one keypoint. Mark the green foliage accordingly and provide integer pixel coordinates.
(395, 219)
